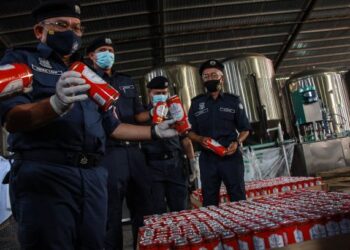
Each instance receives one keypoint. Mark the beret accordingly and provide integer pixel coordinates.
(158, 82)
(211, 64)
(56, 8)
(99, 42)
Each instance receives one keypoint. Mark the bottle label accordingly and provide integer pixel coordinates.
(92, 76)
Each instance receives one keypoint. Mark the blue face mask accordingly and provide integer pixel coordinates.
(64, 43)
(159, 98)
(105, 59)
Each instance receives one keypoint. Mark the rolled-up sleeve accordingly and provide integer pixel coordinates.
(241, 119)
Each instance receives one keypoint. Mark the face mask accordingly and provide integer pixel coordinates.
(159, 98)
(105, 59)
(64, 43)
(212, 85)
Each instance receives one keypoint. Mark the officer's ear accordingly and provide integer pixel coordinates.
(38, 31)
(91, 55)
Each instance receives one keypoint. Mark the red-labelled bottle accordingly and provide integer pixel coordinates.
(15, 78)
(100, 91)
(216, 147)
(178, 113)
(159, 112)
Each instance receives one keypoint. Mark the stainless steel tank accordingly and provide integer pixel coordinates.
(332, 90)
(184, 80)
(240, 72)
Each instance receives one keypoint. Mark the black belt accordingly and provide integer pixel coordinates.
(123, 143)
(70, 158)
(161, 156)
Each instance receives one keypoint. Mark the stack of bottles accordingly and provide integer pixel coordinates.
(266, 187)
(269, 222)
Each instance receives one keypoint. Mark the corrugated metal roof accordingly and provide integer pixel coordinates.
(295, 34)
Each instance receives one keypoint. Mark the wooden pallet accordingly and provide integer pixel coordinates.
(337, 179)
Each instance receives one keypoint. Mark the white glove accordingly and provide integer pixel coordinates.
(70, 88)
(163, 129)
(194, 163)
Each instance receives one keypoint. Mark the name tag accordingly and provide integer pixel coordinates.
(47, 71)
(201, 112)
(227, 110)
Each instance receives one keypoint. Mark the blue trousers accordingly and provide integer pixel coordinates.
(215, 169)
(58, 207)
(128, 178)
(169, 184)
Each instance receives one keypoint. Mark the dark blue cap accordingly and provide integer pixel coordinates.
(158, 82)
(211, 64)
(99, 42)
(56, 8)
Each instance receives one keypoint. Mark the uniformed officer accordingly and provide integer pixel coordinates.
(165, 159)
(219, 116)
(58, 187)
(127, 170)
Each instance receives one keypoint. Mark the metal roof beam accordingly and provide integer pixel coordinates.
(294, 33)
(225, 49)
(315, 63)
(315, 56)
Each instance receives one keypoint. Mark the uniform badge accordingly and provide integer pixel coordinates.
(77, 9)
(108, 41)
(240, 106)
(45, 63)
(212, 63)
(201, 106)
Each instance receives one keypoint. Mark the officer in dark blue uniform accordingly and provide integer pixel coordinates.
(219, 116)
(165, 159)
(127, 171)
(58, 187)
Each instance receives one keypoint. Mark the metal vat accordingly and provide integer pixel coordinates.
(332, 91)
(184, 80)
(240, 72)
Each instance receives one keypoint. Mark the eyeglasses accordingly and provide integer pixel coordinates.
(212, 76)
(160, 93)
(63, 26)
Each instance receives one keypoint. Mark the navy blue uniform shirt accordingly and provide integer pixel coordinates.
(219, 119)
(83, 128)
(128, 105)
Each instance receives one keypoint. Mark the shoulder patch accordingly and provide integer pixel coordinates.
(197, 97)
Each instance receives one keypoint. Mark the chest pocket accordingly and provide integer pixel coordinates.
(45, 79)
(227, 116)
(127, 91)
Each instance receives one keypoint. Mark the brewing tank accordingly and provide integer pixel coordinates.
(251, 76)
(184, 81)
(331, 91)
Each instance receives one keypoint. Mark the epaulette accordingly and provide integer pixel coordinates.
(197, 97)
(232, 95)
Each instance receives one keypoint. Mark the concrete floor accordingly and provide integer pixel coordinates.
(8, 240)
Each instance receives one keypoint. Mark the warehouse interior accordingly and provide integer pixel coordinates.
(298, 41)
(295, 35)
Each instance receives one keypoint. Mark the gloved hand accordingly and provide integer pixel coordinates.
(194, 163)
(163, 130)
(70, 88)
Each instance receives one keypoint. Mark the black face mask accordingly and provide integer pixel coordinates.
(64, 43)
(212, 85)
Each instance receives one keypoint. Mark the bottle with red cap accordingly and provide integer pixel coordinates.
(178, 113)
(216, 147)
(15, 78)
(100, 91)
(160, 112)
